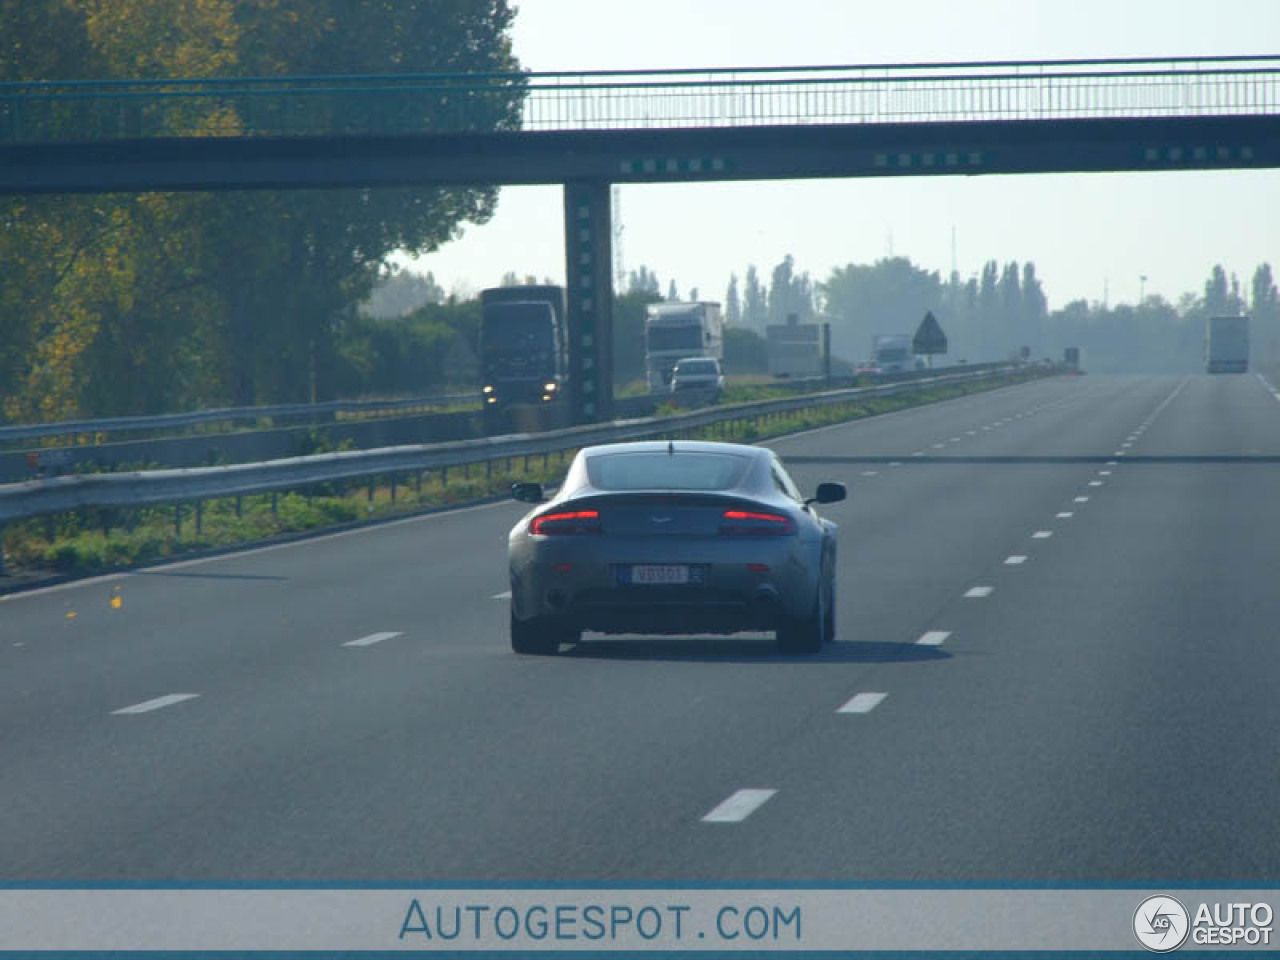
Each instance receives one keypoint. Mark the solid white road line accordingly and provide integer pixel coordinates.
(504, 595)
(862, 703)
(159, 703)
(1065, 515)
(373, 638)
(1042, 535)
(979, 592)
(1015, 560)
(934, 638)
(739, 806)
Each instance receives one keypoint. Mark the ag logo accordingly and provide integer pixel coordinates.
(1161, 924)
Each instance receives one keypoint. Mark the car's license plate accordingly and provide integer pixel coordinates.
(659, 574)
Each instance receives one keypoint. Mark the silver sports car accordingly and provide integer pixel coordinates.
(673, 537)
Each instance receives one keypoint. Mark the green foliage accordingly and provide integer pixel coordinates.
(628, 334)
(121, 304)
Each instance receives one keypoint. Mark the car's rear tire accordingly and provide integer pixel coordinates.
(540, 636)
(805, 634)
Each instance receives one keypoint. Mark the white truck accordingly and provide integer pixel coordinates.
(1226, 345)
(675, 330)
(892, 353)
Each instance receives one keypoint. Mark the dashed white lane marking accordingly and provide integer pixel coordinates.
(896, 463)
(739, 806)
(938, 446)
(504, 595)
(955, 439)
(1015, 560)
(1104, 473)
(1066, 515)
(976, 592)
(934, 638)
(918, 453)
(1042, 535)
(1096, 483)
(1122, 453)
(1082, 500)
(159, 703)
(863, 703)
(1112, 463)
(373, 638)
(868, 473)
(971, 433)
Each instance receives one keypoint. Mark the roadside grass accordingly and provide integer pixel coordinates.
(95, 540)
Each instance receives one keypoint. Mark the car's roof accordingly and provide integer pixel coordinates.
(678, 447)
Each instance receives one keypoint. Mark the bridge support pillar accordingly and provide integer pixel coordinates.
(588, 230)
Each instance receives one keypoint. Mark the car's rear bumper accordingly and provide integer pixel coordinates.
(747, 585)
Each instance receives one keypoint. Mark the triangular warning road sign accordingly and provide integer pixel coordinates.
(929, 339)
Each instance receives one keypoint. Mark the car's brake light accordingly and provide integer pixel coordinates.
(578, 521)
(748, 523)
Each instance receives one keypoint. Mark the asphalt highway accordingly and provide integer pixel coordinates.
(1057, 662)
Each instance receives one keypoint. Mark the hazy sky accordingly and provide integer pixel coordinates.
(1083, 231)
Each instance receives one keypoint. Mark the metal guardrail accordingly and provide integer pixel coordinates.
(599, 100)
(148, 488)
(168, 421)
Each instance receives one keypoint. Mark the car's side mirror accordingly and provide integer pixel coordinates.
(527, 492)
(829, 493)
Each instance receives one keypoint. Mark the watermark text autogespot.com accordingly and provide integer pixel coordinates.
(613, 924)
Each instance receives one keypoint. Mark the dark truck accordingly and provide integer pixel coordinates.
(524, 363)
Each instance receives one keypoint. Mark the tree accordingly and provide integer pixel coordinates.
(1033, 309)
(628, 335)
(990, 338)
(755, 309)
(890, 296)
(643, 280)
(732, 303)
(672, 292)
(1217, 297)
(789, 294)
(142, 303)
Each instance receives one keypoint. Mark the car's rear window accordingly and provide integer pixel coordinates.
(696, 366)
(666, 471)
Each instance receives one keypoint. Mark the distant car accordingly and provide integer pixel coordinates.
(675, 537)
(698, 373)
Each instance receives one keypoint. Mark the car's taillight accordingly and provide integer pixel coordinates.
(578, 521)
(751, 524)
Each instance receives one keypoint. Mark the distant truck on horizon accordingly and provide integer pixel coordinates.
(1226, 345)
(524, 360)
(893, 353)
(674, 330)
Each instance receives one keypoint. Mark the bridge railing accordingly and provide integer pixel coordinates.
(600, 100)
